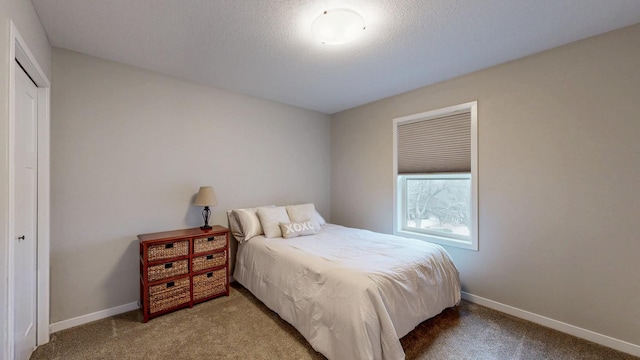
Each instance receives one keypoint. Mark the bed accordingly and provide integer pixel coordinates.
(351, 293)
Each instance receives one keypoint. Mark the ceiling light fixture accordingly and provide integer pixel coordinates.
(338, 26)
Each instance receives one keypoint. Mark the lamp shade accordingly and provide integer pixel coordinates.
(206, 197)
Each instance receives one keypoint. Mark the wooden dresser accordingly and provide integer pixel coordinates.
(181, 268)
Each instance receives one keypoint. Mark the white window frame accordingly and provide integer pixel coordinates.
(402, 198)
(399, 185)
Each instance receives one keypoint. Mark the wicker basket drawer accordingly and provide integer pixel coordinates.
(167, 270)
(169, 295)
(209, 284)
(207, 244)
(209, 261)
(168, 250)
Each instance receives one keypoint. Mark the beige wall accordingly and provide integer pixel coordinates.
(130, 149)
(559, 171)
(26, 21)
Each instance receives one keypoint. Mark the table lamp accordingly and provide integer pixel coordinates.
(206, 197)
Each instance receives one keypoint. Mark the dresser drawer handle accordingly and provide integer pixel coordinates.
(168, 246)
(211, 239)
(209, 257)
(168, 265)
(170, 284)
(209, 274)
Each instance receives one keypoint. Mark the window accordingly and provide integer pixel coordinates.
(435, 165)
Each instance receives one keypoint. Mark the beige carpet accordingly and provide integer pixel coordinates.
(240, 327)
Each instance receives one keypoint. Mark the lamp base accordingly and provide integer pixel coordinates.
(205, 215)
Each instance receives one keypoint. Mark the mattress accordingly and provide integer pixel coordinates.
(351, 293)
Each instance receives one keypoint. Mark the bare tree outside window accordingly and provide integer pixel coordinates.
(439, 205)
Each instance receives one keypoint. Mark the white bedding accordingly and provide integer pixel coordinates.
(351, 293)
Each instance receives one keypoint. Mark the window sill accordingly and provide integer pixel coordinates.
(441, 240)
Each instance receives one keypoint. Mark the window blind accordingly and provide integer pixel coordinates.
(435, 145)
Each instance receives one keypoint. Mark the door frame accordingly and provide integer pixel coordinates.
(19, 50)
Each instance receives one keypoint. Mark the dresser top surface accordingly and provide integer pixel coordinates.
(183, 233)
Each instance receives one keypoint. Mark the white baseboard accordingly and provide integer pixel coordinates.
(604, 340)
(98, 315)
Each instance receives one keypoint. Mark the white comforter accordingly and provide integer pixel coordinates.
(351, 293)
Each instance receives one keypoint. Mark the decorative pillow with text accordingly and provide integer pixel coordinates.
(294, 229)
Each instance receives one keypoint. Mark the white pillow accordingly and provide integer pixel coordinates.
(295, 229)
(249, 223)
(320, 219)
(234, 226)
(270, 218)
(303, 212)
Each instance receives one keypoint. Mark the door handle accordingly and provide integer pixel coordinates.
(20, 237)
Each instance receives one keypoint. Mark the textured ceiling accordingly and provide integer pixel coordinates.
(264, 48)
